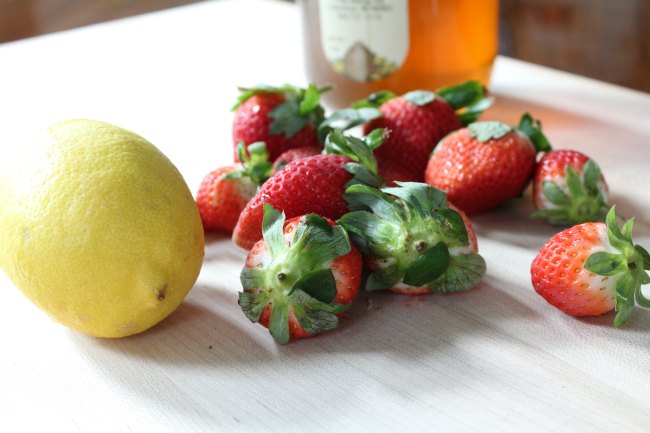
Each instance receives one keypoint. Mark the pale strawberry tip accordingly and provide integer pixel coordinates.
(411, 238)
(297, 282)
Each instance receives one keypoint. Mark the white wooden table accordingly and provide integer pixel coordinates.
(495, 359)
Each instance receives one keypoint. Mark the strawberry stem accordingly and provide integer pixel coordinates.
(629, 265)
(468, 99)
(533, 129)
(409, 232)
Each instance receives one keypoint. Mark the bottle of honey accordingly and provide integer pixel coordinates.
(363, 46)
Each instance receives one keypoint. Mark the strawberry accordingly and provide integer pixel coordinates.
(568, 188)
(486, 163)
(418, 120)
(224, 192)
(391, 172)
(293, 154)
(312, 185)
(592, 268)
(283, 117)
(413, 241)
(301, 277)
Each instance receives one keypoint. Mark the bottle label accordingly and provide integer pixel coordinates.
(364, 40)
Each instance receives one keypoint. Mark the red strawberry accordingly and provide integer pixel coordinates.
(224, 192)
(283, 117)
(593, 268)
(301, 277)
(486, 163)
(393, 172)
(568, 188)
(293, 154)
(413, 242)
(418, 120)
(310, 185)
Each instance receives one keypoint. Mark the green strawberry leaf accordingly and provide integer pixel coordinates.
(591, 174)
(361, 175)
(314, 316)
(383, 279)
(287, 119)
(375, 138)
(473, 112)
(310, 100)
(484, 131)
(257, 152)
(625, 289)
(321, 223)
(252, 278)
(345, 119)
(364, 197)
(279, 321)
(644, 278)
(554, 193)
(642, 300)
(452, 227)
(370, 233)
(273, 230)
(626, 230)
(314, 322)
(429, 266)
(356, 149)
(375, 100)
(319, 284)
(254, 163)
(533, 129)
(316, 243)
(241, 151)
(614, 234)
(252, 304)
(420, 97)
(419, 196)
(574, 183)
(644, 255)
(606, 264)
(463, 273)
(233, 175)
(462, 95)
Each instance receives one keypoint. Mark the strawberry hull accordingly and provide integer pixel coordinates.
(314, 184)
(300, 278)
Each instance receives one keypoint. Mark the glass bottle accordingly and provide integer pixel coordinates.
(363, 46)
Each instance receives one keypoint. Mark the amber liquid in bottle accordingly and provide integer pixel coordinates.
(445, 42)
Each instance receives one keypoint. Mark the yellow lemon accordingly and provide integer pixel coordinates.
(98, 228)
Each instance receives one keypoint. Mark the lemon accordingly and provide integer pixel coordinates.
(98, 228)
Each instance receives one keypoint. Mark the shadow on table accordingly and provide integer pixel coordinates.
(210, 330)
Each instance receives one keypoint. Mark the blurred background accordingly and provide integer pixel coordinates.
(604, 39)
